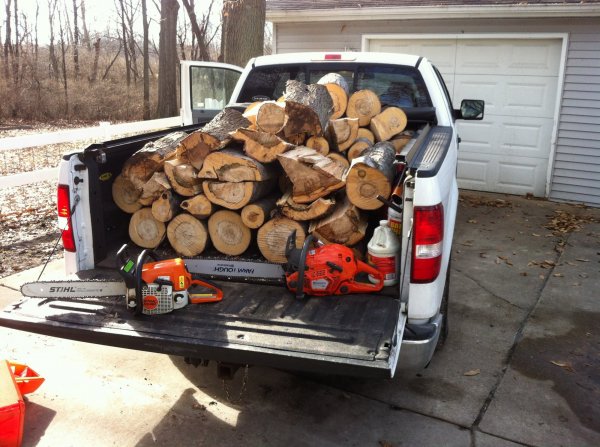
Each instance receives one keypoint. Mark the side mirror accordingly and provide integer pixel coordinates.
(470, 109)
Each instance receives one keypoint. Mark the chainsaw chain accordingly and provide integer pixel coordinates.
(243, 388)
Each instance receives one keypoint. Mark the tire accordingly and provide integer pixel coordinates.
(444, 311)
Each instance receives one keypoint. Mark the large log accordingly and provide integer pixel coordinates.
(198, 206)
(358, 147)
(388, 123)
(142, 164)
(183, 177)
(228, 233)
(272, 238)
(214, 136)
(166, 206)
(302, 212)
(343, 132)
(154, 188)
(319, 144)
(338, 89)
(370, 175)
(187, 235)
(364, 105)
(235, 196)
(308, 108)
(144, 230)
(257, 213)
(312, 174)
(126, 195)
(262, 146)
(231, 165)
(345, 225)
(271, 117)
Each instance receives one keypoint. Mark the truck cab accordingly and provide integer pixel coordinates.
(259, 322)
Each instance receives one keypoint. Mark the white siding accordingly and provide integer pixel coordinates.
(576, 169)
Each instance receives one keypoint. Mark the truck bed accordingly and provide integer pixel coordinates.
(254, 324)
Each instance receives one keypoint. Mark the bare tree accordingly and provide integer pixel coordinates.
(94, 73)
(124, 40)
(63, 52)
(75, 40)
(146, 75)
(8, 48)
(167, 59)
(242, 33)
(86, 34)
(52, 4)
(199, 31)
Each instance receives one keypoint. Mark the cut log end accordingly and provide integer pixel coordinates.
(187, 235)
(126, 195)
(388, 123)
(272, 238)
(364, 105)
(144, 230)
(228, 233)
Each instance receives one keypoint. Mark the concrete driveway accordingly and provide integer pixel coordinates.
(521, 365)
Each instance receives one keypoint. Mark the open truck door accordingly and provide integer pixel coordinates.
(206, 88)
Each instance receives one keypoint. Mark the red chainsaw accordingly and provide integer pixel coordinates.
(326, 270)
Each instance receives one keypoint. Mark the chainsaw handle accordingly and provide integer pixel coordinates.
(139, 266)
(198, 298)
(363, 267)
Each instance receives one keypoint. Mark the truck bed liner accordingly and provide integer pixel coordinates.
(353, 332)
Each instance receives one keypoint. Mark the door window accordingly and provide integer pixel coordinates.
(212, 87)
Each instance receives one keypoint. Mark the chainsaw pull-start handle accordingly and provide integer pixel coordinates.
(363, 267)
(206, 297)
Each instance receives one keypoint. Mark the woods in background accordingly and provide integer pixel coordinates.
(76, 72)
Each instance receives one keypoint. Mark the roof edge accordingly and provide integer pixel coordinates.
(434, 12)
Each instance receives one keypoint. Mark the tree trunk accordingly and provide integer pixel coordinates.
(187, 235)
(167, 60)
(146, 73)
(141, 165)
(301, 212)
(235, 196)
(198, 206)
(388, 123)
(228, 233)
(230, 165)
(254, 215)
(75, 40)
(124, 42)
(8, 49)
(86, 34)
(126, 195)
(242, 33)
(144, 230)
(262, 146)
(370, 175)
(312, 174)
(345, 225)
(166, 207)
(272, 238)
(94, 74)
(52, 51)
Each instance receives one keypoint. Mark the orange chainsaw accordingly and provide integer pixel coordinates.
(149, 288)
(326, 270)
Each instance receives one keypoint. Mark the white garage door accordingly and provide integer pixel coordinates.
(508, 151)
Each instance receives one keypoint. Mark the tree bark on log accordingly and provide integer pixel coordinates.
(198, 206)
(254, 215)
(227, 121)
(319, 144)
(364, 105)
(195, 147)
(262, 146)
(388, 123)
(303, 212)
(230, 165)
(235, 196)
(312, 174)
(141, 165)
(187, 235)
(343, 132)
(308, 108)
(228, 233)
(166, 206)
(271, 117)
(144, 230)
(183, 177)
(126, 195)
(272, 238)
(338, 89)
(345, 225)
(370, 175)
(154, 188)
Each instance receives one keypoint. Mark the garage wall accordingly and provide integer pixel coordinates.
(576, 173)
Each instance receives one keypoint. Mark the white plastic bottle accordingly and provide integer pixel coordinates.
(384, 253)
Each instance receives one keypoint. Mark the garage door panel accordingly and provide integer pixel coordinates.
(441, 52)
(509, 95)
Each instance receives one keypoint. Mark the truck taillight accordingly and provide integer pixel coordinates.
(428, 240)
(63, 204)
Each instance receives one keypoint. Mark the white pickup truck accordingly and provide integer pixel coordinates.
(373, 335)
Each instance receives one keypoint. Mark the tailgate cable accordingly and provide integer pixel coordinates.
(242, 389)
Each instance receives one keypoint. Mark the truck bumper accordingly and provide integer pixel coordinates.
(419, 345)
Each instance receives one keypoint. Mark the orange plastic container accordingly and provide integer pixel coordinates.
(26, 378)
(12, 408)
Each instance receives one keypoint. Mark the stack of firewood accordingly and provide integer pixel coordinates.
(314, 161)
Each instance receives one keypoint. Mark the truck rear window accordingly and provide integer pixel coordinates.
(396, 85)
